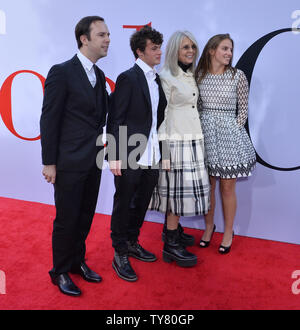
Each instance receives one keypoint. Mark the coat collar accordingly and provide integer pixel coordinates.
(188, 73)
(79, 69)
(145, 67)
(143, 83)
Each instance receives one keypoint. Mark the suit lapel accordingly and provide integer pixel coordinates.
(102, 82)
(162, 96)
(144, 85)
(79, 69)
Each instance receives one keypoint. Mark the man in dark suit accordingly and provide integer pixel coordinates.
(136, 112)
(73, 115)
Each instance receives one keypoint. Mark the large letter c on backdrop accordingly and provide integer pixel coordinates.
(246, 63)
(5, 101)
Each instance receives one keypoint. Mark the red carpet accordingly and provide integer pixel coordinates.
(255, 275)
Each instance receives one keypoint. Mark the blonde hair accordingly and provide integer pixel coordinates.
(172, 50)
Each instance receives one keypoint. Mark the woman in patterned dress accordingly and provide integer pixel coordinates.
(184, 190)
(223, 107)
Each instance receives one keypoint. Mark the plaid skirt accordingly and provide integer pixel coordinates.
(185, 189)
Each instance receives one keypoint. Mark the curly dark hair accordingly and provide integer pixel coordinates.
(139, 39)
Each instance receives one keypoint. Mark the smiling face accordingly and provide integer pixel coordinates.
(222, 55)
(151, 55)
(96, 46)
(187, 51)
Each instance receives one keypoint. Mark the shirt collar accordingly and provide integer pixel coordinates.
(85, 61)
(145, 67)
(188, 73)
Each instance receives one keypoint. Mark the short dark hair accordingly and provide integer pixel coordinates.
(139, 39)
(83, 27)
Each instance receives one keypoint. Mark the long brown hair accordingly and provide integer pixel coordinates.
(204, 64)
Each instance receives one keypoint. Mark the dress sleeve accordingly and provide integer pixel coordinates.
(242, 97)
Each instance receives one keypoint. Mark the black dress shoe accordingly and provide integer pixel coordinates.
(123, 268)
(174, 251)
(205, 244)
(137, 251)
(86, 273)
(226, 249)
(65, 285)
(185, 239)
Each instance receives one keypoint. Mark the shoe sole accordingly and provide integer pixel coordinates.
(123, 277)
(167, 257)
(70, 294)
(142, 259)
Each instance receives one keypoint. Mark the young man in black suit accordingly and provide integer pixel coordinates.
(73, 115)
(136, 112)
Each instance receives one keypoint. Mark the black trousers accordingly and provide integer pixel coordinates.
(131, 200)
(75, 195)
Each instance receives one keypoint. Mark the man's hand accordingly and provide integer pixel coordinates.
(166, 164)
(115, 167)
(49, 172)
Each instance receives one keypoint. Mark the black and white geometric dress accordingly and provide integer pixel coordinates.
(223, 107)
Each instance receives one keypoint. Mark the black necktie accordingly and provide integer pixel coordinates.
(96, 73)
(157, 79)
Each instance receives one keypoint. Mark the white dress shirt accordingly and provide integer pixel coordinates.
(88, 68)
(151, 154)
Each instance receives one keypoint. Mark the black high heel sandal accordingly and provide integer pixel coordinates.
(205, 244)
(226, 249)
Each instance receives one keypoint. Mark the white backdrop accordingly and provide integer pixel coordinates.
(34, 35)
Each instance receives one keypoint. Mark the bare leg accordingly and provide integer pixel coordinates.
(172, 221)
(229, 204)
(209, 217)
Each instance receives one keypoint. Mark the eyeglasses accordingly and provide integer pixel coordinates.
(187, 47)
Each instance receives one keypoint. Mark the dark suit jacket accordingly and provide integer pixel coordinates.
(73, 116)
(130, 106)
